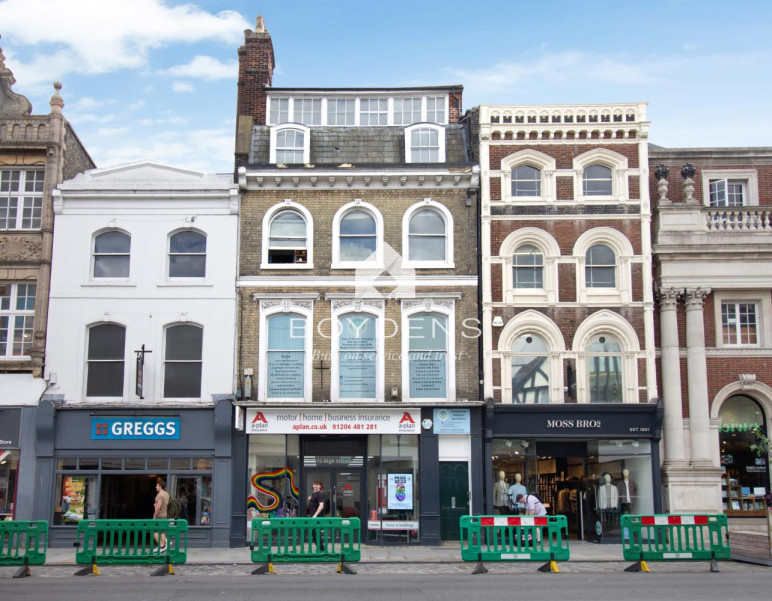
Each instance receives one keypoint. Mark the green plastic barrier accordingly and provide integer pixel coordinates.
(131, 542)
(675, 538)
(305, 540)
(514, 538)
(23, 544)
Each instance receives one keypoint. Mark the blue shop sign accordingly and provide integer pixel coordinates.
(451, 421)
(135, 428)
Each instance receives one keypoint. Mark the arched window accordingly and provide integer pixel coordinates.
(596, 180)
(187, 255)
(427, 236)
(290, 144)
(428, 356)
(358, 236)
(530, 370)
(526, 181)
(106, 348)
(286, 356)
(528, 267)
(604, 369)
(424, 143)
(287, 238)
(357, 356)
(183, 361)
(112, 254)
(600, 267)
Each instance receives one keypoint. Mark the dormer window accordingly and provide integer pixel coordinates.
(424, 143)
(290, 144)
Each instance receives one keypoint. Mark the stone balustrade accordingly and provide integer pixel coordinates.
(748, 219)
(25, 130)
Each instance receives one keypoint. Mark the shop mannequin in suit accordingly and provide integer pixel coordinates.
(517, 489)
(628, 491)
(608, 495)
(501, 494)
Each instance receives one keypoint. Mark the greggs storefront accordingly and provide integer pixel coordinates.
(367, 460)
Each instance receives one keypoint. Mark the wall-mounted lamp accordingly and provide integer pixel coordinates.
(498, 321)
(394, 393)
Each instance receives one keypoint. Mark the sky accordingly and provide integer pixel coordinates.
(155, 79)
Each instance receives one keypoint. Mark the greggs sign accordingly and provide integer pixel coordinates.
(332, 421)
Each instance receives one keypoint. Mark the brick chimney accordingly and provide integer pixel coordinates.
(256, 64)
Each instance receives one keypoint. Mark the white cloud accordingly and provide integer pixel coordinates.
(79, 119)
(87, 103)
(204, 67)
(182, 88)
(171, 120)
(112, 131)
(101, 36)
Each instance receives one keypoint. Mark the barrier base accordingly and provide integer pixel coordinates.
(713, 565)
(265, 569)
(92, 570)
(480, 568)
(638, 566)
(167, 570)
(344, 569)
(23, 572)
(550, 566)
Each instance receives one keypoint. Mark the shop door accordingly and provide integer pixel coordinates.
(342, 491)
(454, 497)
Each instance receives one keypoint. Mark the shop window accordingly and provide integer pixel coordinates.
(187, 255)
(9, 470)
(745, 481)
(194, 495)
(77, 499)
(604, 368)
(530, 370)
(112, 255)
(182, 365)
(106, 359)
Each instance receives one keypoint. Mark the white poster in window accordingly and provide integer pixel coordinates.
(400, 491)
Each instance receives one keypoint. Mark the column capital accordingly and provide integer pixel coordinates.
(668, 298)
(695, 297)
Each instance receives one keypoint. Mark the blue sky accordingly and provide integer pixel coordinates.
(153, 79)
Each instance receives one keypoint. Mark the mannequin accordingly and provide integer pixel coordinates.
(608, 495)
(517, 489)
(500, 496)
(627, 492)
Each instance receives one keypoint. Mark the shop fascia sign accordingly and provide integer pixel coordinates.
(135, 428)
(332, 421)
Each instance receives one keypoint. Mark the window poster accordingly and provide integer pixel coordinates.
(73, 499)
(400, 491)
(428, 374)
(285, 374)
(357, 355)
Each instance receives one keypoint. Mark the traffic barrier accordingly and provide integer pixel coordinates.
(23, 544)
(675, 538)
(512, 538)
(131, 542)
(305, 540)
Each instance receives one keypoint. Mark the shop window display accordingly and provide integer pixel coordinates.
(9, 467)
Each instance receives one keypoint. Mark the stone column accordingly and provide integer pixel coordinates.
(699, 415)
(673, 425)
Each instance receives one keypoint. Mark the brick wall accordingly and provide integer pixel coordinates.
(256, 64)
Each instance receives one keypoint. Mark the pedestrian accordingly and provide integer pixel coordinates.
(160, 511)
(533, 506)
(316, 506)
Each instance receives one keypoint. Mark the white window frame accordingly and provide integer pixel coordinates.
(92, 253)
(375, 309)
(620, 188)
(533, 158)
(622, 292)
(385, 112)
(126, 365)
(439, 129)
(608, 322)
(416, 116)
(443, 120)
(169, 253)
(270, 108)
(24, 202)
(335, 100)
(749, 177)
(550, 252)
(449, 261)
(300, 114)
(202, 386)
(286, 305)
(288, 204)
(12, 313)
(532, 322)
(412, 308)
(337, 262)
(306, 131)
(763, 301)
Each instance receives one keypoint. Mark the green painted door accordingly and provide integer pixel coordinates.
(454, 497)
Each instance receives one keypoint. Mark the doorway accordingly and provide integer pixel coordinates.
(454, 497)
(127, 497)
(338, 462)
(342, 489)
